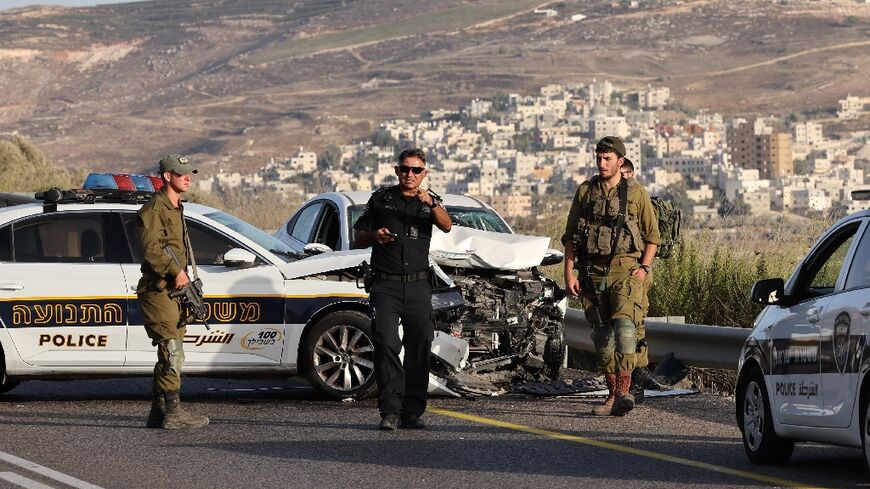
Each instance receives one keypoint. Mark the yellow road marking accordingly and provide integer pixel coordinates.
(619, 448)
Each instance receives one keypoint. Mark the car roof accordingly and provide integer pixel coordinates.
(453, 200)
(16, 211)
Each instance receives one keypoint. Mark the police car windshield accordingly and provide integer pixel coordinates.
(475, 218)
(254, 234)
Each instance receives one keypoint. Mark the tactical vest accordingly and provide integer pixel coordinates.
(596, 225)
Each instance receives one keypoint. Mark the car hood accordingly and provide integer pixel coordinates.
(465, 247)
(326, 262)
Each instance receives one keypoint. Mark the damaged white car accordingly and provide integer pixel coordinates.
(511, 327)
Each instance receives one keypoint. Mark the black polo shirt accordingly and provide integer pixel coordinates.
(410, 219)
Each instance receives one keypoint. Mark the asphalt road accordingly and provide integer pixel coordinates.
(275, 433)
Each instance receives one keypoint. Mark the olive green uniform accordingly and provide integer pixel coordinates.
(158, 224)
(624, 301)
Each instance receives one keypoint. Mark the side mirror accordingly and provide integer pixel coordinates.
(312, 249)
(553, 257)
(239, 258)
(768, 291)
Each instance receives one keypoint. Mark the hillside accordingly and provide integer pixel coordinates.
(235, 83)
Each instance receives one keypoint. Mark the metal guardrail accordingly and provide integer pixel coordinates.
(697, 345)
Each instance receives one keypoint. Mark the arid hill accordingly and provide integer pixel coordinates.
(235, 83)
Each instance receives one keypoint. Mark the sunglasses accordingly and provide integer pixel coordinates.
(415, 169)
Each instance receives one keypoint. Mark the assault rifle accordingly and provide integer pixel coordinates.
(587, 285)
(190, 294)
(364, 272)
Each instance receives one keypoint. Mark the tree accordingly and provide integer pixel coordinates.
(330, 158)
(678, 194)
(733, 208)
(528, 141)
(383, 138)
(801, 167)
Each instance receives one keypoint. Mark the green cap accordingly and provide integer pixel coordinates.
(611, 143)
(176, 163)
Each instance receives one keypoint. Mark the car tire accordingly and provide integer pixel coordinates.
(5, 385)
(763, 446)
(554, 353)
(865, 433)
(337, 356)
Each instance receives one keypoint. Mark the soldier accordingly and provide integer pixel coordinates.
(160, 222)
(640, 375)
(397, 223)
(610, 239)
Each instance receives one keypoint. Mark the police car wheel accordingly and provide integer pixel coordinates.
(763, 446)
(5, 385)
(865, 435)
(338, 356)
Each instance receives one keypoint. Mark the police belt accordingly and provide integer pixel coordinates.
(410, 277)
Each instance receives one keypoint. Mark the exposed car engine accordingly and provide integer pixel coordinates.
(513, 324)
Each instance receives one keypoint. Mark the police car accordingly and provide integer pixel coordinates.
(69, 266)
(802, 374)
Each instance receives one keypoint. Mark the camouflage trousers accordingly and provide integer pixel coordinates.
(161, 317)
(623, 305)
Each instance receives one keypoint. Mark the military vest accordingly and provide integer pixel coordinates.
(597, 222)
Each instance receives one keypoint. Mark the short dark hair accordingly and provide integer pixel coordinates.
(412, 153)
(627, 165)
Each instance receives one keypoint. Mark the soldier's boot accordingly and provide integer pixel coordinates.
(624, 401)
(177, 418)
(638, 383)
(606, 408)
(155, 416)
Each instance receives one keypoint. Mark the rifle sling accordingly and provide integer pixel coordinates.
(187, 245)
(622, 189)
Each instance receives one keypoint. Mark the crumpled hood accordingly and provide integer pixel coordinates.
(326, 262)
(472, 248)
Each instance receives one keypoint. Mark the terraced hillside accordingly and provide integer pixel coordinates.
(235, 83)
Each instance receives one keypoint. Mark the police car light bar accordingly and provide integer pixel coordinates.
(89, 196)
(861, 195)
(122, 181)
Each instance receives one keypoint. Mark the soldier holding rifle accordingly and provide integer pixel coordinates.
(160, 224)
(610, 239)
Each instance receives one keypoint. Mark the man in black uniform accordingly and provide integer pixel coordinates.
(397, 223)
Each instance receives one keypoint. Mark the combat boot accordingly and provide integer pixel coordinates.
(606, 408)
(176, 418)
(624, 400)
(638, 383)
(155, 416)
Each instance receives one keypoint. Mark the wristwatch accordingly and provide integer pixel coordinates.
(434, 205)
(645, 268)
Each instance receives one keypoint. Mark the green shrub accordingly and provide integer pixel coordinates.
(23, 168)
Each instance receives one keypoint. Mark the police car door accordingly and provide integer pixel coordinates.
(62, 298)
(845, 327)
(797, 359)
(246, 309)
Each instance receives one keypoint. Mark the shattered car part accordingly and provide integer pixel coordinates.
(513, 326)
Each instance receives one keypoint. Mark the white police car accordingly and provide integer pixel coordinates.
(513, 316)
(68, 308)
(802, 373)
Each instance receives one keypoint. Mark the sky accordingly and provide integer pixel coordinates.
(7, 4)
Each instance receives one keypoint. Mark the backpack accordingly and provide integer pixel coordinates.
(670, 218)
